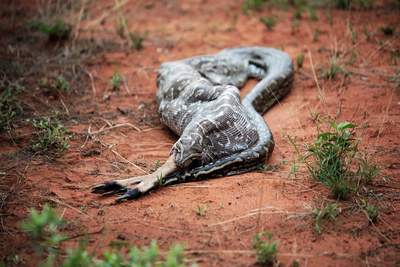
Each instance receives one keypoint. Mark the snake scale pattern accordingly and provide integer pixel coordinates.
(220, 133)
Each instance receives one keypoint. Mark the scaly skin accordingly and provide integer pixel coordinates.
(220, 134)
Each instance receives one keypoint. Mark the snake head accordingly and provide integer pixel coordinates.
(188, 151)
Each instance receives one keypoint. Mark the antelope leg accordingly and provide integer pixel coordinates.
(144, 183)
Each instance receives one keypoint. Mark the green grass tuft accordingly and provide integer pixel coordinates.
(325, 213)
(266, 250)
(52, 137)
(59, 30)
(335, 160)
(9, 108)
(269, 22)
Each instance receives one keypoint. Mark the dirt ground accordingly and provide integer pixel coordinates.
(117, 133)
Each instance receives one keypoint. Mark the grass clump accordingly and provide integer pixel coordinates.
(115, 81)
(8, 106)
(325, 213)
(372, 210)
(269, 22)
(121, 25)
(335, 160)
(52, 136)
(255, 5)
(334, 67)
(347, 4)
(396, 79)
(61, 85)
(266, 250)
(59, 30)
(300, 60)
(303, 6)
(137, 39)
(388, 30)
(201, 211)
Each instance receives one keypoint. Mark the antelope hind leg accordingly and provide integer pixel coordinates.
(145, 183)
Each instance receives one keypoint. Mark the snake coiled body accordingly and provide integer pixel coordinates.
(220, 134)
(198, 99)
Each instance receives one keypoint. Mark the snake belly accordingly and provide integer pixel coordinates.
(220, 133)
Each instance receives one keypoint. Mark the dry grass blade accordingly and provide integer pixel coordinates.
(116, 153)
(113, 127)
(248, 215)
(62, 203)
(105, 14)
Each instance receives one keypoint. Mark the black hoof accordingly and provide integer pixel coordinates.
(120, 191)
(106, 187)
(132, 193)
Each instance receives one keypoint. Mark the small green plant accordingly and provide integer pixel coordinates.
(388, 30)
(255, 5)
(8, 106)
(160, 180)
(115, 81)
(269, 22)
(352, 57)
(52, 136)
(353, 34)
(297, 14)
(325, 213)
(213, 26)
(300, 60)
(137, 39)
(366, 4)
(121, 25)
(372, 210)
(366, 33)
(335, 67)
(273, 168)
(296, 165)
(42, 229)
(335, 160)
(396, 78)
(61, 85)
(395, 56)
(315, 36)
(266, 250)
(233, 22)
(346, 4)
(295, 26)
(342, 4)
(201, 211)
(158, 163)
(302, 6)
(59, 30)
(79, 256)
(311, 11)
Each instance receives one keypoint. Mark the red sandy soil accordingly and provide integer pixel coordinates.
(239, 207)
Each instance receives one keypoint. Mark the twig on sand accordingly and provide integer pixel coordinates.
(113, 127)
(116, 153)
(252, 213)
